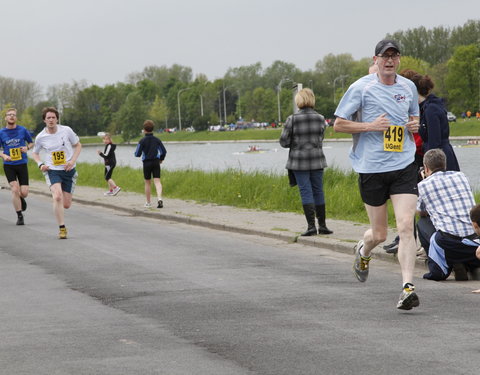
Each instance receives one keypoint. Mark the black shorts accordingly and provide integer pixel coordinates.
(151, 168)
(16, 172)
(376, 188)
(108, 171)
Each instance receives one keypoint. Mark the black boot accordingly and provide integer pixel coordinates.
(309, 211)
(322, 227)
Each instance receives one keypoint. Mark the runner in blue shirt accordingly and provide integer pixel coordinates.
(383, 153)
(15, 141)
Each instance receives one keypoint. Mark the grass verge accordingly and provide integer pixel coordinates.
(253, 190)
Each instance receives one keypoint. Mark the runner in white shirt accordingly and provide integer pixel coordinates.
(62, 148)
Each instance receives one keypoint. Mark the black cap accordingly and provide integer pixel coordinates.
(385, 44)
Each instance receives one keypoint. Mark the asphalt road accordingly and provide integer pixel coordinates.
(132, 295)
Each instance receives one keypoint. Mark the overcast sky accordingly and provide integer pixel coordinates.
(102, 41)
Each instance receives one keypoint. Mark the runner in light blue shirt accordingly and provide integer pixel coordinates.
(372, 98)
(385, 107)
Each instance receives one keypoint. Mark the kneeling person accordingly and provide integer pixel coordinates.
(62, 148)
(447, 198)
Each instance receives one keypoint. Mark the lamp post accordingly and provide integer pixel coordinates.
(238, 105)
(279, 87)
(179, 110)
(201, 99)
(224, 105)
(342, 77)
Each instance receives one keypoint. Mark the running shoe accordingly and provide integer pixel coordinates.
(360, 265)
(20, 220)
(63, 233)
(108, 193)
(391, 248)
(408, 298)
(24, 203)
(160, 204)
(116, 190)
(147, 205)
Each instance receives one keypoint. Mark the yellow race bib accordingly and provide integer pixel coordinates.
(393, 138)
(58, 157)
(15, 154)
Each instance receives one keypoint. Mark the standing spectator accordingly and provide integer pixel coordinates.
(152, 151)
(464, 116)
(477, 115)
(110, 161)
(383, 154)
(62, 147)
(15, 141)
(434, 126)
(469, 114)
(303, 134)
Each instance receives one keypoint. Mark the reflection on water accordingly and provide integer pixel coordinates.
(270, 157)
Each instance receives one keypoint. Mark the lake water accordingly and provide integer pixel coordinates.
(271, 157)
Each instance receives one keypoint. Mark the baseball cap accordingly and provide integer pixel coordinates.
(385, 44)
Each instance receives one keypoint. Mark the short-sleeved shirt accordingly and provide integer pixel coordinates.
(58, 146)
(11, 140)
(448, 199)
(368, 98)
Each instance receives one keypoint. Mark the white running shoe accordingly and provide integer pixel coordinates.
(108, 193)
(147, 205)
(116, 190)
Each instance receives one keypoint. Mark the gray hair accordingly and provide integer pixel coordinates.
(435, 160)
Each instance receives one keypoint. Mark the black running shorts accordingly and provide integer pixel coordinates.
(15, 172)
(151, 168)
(376, 188)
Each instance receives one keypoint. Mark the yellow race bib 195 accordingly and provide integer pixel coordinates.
(58, 158)
(393, 138)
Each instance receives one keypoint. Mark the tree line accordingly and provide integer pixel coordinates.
(172, 97)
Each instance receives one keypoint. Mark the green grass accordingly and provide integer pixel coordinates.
(253, 190)
(469, 128)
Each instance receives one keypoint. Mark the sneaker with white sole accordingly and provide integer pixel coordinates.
(147, 205)
(62, 234)
(108, 193)
(408, 298)
(116, 190)
(360, 265)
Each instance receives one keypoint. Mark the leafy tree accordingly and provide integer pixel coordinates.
(261, 104)
(21, 93)
(159, 111)
(245, 78)
(420, 66)
(27, 120)
(437, 45)
(131, 116)
(462, 80)
(334, 66)
(280, 70)
(148, 90)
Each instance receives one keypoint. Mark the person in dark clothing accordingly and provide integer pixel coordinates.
(303, 134)
(152, 151)
(434, 126)
(108, 156)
